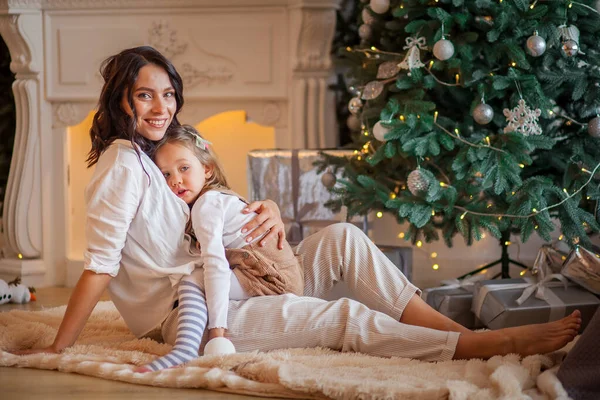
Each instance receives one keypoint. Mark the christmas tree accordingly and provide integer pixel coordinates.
(474, 116)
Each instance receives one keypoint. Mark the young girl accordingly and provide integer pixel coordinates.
(194, 174)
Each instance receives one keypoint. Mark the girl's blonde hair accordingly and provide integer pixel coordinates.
(187, 135)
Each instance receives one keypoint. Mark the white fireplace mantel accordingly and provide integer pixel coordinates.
(267, 57)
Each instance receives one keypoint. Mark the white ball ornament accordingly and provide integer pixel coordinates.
(379, 131)
(380, 6)
(219, 346)
(483, 114)
(443, 49)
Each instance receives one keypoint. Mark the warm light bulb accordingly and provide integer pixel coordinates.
(373, 48)
(435, 115)
(433, 213)
(442, 184)
(392, 195)
(20, 255)
(560, 237)
(463, 216)
(507, 243)
(513, 64)
(379, 214)
(522, 165)
(401, 235)
(435, 266)
(402, 118)
(499, 218)
(534, 210)
(359, 158)
(457, 131)
(430, 64)
(434, 255)
(419, 243)
(523, 272)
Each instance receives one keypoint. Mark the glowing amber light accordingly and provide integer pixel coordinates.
(435, 266)
(523, 272)
(401, 235)
(507, 243)
(379, 214)
(419, 243)
(392, 195)
(20, 255)
(434, 255)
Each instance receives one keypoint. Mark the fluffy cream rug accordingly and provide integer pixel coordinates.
(107, 349)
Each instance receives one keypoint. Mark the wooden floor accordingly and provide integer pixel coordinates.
(26, 384)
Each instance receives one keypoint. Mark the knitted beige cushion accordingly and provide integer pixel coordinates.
(580, 371)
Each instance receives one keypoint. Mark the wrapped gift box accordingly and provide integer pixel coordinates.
(495, 303)
(583, 267)
(289, 178)
(454, 302)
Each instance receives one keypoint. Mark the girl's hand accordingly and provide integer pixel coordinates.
(268, 219)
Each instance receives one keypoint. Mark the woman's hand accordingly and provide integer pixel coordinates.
(268, 219)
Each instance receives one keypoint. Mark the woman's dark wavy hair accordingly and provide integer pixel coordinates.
(120, 72)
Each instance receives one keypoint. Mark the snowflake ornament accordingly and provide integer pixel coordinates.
(413, 57)
(523, 119)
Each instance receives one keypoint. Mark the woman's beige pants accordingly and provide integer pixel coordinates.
(371, 326)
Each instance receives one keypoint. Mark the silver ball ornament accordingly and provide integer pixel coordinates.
(416, 183)
(328, 179)
(570, 48)
(536, 45)
(355, 105)
(443, 49)
(594, 127)
(483, 114)
(379, 131)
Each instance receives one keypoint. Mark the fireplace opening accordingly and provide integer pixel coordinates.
(232, 136)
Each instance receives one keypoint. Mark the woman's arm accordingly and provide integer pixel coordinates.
(84, 298)
(268, 219)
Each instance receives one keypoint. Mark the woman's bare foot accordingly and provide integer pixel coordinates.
(524, 340)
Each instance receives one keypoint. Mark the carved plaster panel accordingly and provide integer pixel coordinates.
(23, 42)
(70, 114)
(316, 34)
(217, 53)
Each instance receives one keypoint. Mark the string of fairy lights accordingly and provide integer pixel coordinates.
(374, 52)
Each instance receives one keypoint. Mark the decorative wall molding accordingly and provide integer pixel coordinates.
(70, 113)
(314, 44)
(120, 4)
(165, 40)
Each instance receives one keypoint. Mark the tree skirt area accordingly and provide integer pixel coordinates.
(107, 349)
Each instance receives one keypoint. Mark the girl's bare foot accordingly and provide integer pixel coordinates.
(524, 340)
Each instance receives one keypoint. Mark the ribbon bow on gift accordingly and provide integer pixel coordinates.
(540, 288)
(461, 283)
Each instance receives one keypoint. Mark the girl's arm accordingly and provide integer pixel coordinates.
(84, 298)
(268, 219)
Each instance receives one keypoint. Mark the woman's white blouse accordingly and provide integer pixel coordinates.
(135, 232)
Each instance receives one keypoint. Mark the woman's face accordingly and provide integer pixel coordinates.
(154, 102)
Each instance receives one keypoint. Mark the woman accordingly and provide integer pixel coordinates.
(135, 233)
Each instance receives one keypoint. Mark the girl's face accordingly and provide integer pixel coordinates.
(153, 100)
(184, 173)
